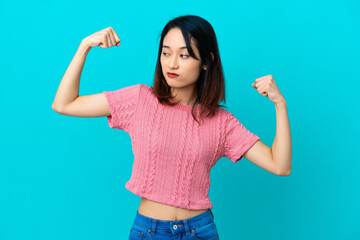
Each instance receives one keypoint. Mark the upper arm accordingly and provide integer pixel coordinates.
(94, 105)
(119, 106)
(261, 155)
(240, 142)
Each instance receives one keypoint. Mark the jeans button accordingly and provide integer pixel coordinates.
(175, 227)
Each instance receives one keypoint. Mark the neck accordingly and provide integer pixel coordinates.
(185, 96)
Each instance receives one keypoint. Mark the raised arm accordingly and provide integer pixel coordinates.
(67, 100)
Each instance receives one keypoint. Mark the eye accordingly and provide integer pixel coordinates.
(186, 56)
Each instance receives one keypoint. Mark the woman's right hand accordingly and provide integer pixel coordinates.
(104, 38)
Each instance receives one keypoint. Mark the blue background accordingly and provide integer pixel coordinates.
(64, 177)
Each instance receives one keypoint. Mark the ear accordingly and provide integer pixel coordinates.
(212, 56)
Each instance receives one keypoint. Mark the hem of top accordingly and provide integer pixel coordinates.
(247, 147)
(110, 118)
(208, 206)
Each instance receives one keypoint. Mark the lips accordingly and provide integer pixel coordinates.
(170, 74)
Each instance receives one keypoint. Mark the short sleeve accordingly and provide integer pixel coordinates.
(238, 139)
(122, 104)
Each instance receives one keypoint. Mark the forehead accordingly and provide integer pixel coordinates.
(174, 39)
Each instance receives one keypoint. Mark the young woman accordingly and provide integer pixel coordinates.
(177, 127)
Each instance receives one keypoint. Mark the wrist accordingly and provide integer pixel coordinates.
(281, 101)
(84, 47)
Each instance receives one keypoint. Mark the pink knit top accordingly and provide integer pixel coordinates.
(173, 155)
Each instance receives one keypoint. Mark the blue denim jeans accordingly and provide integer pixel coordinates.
(199, 227)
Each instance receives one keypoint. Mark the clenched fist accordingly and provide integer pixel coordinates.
(267, 87)
(105, 38)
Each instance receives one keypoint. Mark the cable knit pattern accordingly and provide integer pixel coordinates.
(173, 154)
(186, 169)
(150, 150)
(179, 163)
(154, 157)
(189, 182)
(122, 106)
(214, 158)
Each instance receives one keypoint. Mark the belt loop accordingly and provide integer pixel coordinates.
(153, 226)
(187, 228)
(212, 214)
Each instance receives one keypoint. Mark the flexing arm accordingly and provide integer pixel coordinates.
(67, 100)
(68, 89)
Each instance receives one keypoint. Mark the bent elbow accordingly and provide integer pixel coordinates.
(55, 108)
(285, 173)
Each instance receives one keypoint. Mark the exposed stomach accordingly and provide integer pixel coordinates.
(166, 212)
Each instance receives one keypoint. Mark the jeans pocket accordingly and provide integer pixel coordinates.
(138, 232)
(206, 232)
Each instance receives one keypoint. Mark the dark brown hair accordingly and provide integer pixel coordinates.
(210, 87)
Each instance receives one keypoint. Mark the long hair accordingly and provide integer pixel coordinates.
(210, 87)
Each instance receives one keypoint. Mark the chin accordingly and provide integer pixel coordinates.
(174, 83)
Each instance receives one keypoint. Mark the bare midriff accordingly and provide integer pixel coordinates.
(166, 212)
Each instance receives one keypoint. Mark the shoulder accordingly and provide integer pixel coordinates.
(224, 114)
(139, 87)
(229, 118)
(146, 93)
(144, 86)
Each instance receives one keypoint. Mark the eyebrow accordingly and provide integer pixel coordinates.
(165, 46)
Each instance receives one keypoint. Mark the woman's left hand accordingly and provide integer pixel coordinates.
(267, 87)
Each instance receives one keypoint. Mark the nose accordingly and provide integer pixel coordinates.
(173, 63)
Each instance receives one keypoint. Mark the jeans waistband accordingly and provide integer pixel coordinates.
(174, 226)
